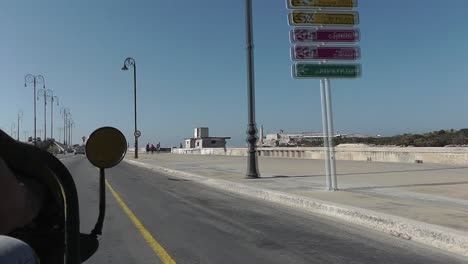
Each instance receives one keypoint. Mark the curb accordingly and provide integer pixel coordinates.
(436, 236)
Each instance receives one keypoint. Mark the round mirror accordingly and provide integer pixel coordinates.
(106, 147)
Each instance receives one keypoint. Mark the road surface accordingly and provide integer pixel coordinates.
(168, 219)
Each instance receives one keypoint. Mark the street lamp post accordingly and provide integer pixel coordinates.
(65, 112)
(72, 124)
(20, 117)
(68, 130)
(47, 94)
(34, 79)
(68, 126)
(252, 164)
(60, 134)
(52, 100)
(129, 62)
(12, 130)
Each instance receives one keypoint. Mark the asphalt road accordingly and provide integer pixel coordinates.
(195, 224)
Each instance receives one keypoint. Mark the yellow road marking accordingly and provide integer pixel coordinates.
(155, 246)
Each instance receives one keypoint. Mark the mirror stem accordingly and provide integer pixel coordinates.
(102, 204)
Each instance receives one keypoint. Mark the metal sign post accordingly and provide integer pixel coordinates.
(326, 149)
(331, 148)
(311, 36)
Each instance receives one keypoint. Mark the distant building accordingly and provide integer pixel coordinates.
(202, 139)
(283, 139)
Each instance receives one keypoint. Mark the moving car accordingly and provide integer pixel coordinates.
(79, 150)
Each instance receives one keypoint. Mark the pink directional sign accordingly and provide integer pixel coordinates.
(325, 53)
(324, 35)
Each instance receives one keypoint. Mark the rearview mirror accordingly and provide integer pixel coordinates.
(106, 147)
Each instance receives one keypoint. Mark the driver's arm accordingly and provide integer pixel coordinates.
(20, 199)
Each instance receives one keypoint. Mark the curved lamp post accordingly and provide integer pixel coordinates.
(60, 134)
(20, 117)
(65, 113)
(252, 165)
(130, 62)
(25, 133)
(68, 127)
(52, 100)
(12, 130)
(47, 94)
(34, 79)
(72, 124)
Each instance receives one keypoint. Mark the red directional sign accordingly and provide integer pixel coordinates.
(324, 35)
(310, 4)
(325, 53)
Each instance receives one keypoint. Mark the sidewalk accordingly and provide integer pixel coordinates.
(424, 202)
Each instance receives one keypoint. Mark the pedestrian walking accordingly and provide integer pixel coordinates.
(147, 148)
(153, 148)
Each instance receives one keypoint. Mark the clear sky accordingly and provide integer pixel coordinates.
(191, 62)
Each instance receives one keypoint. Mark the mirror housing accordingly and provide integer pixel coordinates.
(106, 147)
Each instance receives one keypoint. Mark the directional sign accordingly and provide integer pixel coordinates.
(325, 53)
(300, 35)
(308, 70)
(137, 133)
(307, 4)
(303, 18)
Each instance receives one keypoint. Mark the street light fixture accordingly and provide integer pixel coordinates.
(47, 94)
(34, 79)
(130, 62)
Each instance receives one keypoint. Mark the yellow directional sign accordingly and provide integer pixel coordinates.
(302, 18)
(306, 4)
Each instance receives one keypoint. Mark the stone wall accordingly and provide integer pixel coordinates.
(453, 156)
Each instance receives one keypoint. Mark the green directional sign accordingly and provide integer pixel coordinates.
(310, 70)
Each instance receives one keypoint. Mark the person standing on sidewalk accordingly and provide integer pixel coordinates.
(147, 148)
(153, 148)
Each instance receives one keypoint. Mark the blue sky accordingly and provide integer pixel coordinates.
(191, 62)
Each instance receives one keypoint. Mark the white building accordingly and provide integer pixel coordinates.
(201, 139)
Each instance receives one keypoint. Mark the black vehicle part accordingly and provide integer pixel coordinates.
(54, 233)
